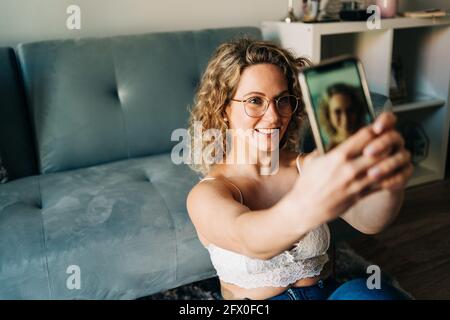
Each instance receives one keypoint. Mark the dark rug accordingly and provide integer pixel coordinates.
(349, 265)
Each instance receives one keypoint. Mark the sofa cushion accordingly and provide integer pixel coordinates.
(16, 142)
(98, 100)
(123, 224)
(23, 267)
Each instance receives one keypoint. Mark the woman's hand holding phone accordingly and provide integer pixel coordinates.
(373, 158)
(394, 169)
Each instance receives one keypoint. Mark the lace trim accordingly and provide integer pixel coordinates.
(314, 243)
(305, 260)
(279, 277)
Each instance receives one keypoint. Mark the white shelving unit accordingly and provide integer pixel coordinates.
(423, 46)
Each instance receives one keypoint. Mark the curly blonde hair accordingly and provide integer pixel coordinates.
(219, 84)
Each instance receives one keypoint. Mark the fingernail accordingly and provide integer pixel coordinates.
(373, 172)
(370, 151)
(378, 127)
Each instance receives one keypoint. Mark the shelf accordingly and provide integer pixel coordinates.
(422, 102)
(419, 46)
(422, 175)
(324, 28)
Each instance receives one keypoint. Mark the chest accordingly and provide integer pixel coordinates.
(263, 195)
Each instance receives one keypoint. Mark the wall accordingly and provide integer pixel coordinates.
(25, 20)
(30, 20)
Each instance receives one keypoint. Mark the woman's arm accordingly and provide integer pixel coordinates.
(375, 212)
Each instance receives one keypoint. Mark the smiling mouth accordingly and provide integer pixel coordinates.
(267, 131)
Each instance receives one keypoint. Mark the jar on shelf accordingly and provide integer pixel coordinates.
(388, 8)
(310, 10)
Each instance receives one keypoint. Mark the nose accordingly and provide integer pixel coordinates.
(272, 112)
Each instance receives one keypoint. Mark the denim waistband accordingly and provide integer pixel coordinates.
(320, 290)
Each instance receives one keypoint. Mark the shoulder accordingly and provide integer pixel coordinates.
(209, 191)
(215, 185)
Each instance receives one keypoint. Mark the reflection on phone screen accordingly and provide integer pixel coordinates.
(338, 101)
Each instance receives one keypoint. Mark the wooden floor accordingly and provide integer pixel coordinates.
(416, 248)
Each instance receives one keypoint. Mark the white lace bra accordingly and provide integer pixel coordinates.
(306, 259)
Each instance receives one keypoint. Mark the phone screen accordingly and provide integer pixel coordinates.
(338, 101)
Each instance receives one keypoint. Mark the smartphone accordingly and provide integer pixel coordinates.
(337, 100)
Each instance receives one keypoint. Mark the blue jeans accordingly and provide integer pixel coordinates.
(330, 289)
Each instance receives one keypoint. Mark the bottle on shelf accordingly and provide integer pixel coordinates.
(291, 15)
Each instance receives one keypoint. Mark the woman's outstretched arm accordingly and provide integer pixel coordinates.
(376, 211)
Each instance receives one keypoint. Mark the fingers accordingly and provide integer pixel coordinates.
(389, 165)
(354, 169)
(352, 177)
(365, 175)
(372, 188)
(384, 122)
(399, 180)
(368, 184)
(354, 145)
(384, 144)
(362, 187)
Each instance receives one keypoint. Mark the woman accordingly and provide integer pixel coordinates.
(341, 113)
(267, 234)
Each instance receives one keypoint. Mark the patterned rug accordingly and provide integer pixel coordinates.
(349, 265)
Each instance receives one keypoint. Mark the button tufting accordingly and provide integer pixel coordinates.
(115, 92)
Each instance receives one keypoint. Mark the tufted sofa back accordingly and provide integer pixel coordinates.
(99, 100)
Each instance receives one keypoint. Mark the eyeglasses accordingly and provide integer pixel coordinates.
(256, 106)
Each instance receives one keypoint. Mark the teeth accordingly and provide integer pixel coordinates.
(266, 131)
